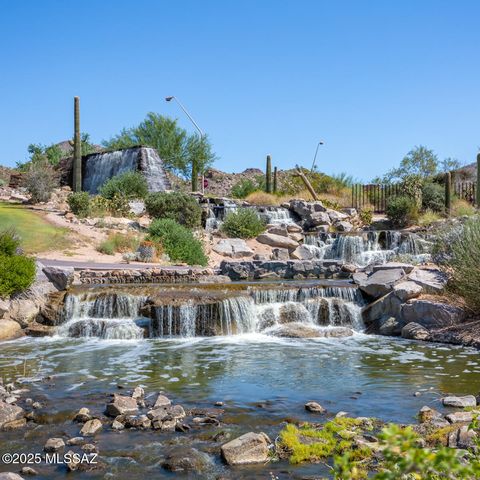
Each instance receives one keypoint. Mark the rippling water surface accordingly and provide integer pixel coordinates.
(262, 381)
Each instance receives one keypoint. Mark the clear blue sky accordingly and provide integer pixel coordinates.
(371, 78)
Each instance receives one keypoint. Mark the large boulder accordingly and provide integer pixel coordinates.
(406, 267)
(407, 290)
(24, 310)
(312, 214)
(4, 307)
(304, 252)
(233, 247)
(431, 314)
(278, 241)
(185, 459)
(414, 331)
(121, 405)
(9, 330)
(280, 254)
(10, 415)
(249, 448)
(432, 280)
(380, 282)
(10, 476)
(336, 216)
(61, 277)
(303, 330)
(460, 402)
(343, 226)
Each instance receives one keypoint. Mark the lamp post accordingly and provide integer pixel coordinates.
(202, 135)
(321, 142)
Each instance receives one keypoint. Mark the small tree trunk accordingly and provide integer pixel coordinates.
(448, 196)
(268, 175)
(194, 175)
(77, 149)
(275, 186)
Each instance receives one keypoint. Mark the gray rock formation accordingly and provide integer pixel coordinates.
(380, 282)
(414, 331)
(233, 247)
(249, 448)
(61, 277)
(278, 241)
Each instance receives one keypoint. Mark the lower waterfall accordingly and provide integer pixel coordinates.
(252, 310)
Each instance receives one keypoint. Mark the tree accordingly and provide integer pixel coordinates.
(419, 162)
(450, 164)
(176, 148)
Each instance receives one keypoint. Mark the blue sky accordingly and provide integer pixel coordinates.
(370, 78)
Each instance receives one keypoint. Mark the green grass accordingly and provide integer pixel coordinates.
(37, 235)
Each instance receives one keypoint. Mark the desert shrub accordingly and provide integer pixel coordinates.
(428, 217)
(177, 241)
(40, 179)
(79, 203)
(243, 188)
(463, 260)
(99, 206)
(9, 242)
(462, 207)
(366, 216)
(433, 197)
(262, 198)
(402, 211)
(118, 206)
(131, 185)
(244, 223)
(119, 242)
(181, 207)
(17, 273)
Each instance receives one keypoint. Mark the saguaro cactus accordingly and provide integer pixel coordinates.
(194, 175)
(448, 196)
(275, 185)
(77, 149)
(268, 175)
(478, 181)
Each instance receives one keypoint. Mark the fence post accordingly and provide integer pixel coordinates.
(448, 196)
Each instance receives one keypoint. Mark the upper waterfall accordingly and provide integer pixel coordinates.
(100, 167)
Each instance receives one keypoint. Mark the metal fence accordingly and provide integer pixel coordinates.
(374, 196)
(465, 191)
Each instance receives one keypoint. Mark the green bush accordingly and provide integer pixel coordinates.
(245, 187)
(118, 206)
(182, 208)
(40, 179)
(178, 242)
(17, 273)
(402, 211)
(119, 242)
(463, 262)
(433, 197)
(79, 203)
(131, 185)
(9, 243)
(244, 223)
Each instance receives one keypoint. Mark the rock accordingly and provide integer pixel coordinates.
(116, 425)
(302, 330)
(344, 226)
(54, 445)
(61, 277)
(75, 441)
(138, 393)
(35, 329)
(407, 290)
(466, 438)
(233, 247)
(314, 407)
(249, 448)
(351, 212)
(406, 267)
(298, 237)
(336, 216)
(432, 314)
(83, 415)
(415, 331)
(304, 252)
(294, 228)
(91, 428)
(24, 310)
(432, 280)
(277, 241)
(10, 476)
(89, 448)
(279, 230)
(158, 414)
(11, 416)
(162, 401)
(349, 268)
(4, 307)
(459, 417)
(138, 421)
(28, 471)
(389, 326)
(427, 414)
(121, 405)
(381, 282)
(9, 330)
(280, 254)
(185, 459)
(460, 402)
(312, 214)
(176, 411)
(167, 425)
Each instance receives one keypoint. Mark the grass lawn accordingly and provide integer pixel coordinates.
(36, 233)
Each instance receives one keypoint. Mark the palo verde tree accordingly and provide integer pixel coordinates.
(179, 151)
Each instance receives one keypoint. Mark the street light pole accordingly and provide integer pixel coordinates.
(321, 142)
(202, 136)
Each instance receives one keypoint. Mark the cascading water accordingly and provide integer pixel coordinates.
(118, 315)
(100, 167)
(275, 215)
(369, 248)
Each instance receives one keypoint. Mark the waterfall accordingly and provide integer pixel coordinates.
(369, 248)
(100, 167)
(152, 167)
(118, 315)
(275, 215)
